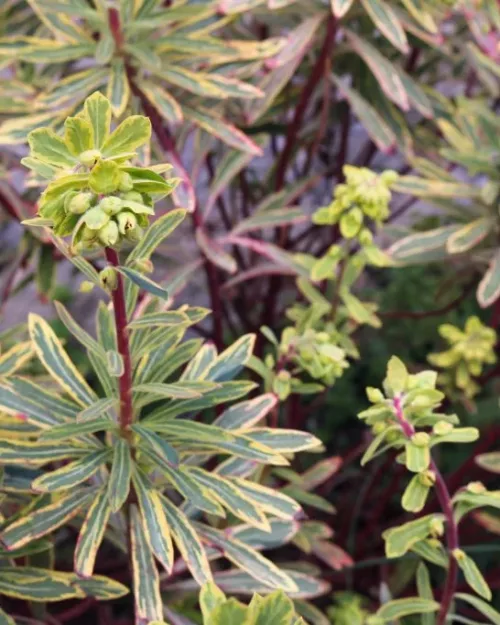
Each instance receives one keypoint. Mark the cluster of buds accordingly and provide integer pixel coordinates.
(95, 194)
(364, 195)
(470, 349)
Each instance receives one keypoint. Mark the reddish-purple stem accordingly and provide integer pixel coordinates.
(307, 92)
(444, 499)
(118, 296)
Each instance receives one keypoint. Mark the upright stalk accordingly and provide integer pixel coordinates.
(120, 311)
(444, 499)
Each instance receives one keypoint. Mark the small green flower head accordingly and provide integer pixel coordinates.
(363, 198)
(469, 350)
(95, 194)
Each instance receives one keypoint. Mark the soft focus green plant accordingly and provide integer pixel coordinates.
(470, 349)
(404, 417)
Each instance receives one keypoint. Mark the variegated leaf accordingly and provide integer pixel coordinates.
(91, 535)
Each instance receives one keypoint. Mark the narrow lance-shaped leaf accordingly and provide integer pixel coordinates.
(57, 361)
(155, 523)
(121, 471)
(91, 535)
(399, 608)
(71, 475)
(148, 604)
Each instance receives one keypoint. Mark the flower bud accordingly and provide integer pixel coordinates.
(127, 221)
(477, 488)
(459, 555)
(108, 278)
(67, 199)
(126, 183)
(421, 439)
(436, 527)
(379, 427)
(90, 157)
(365, 237)
(144, 265)
(111, 204)
(95, 218)
(80, 203)
(442, 427)
(427, 478)
(374, 395)
(86, 286)
(108, 234)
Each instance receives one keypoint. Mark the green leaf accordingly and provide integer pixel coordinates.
(389, 80)
(44, 520)
(78, 135)
(210, 598)
(101, 587)
(222, 130)
(488, 290)
(417, 457)
(155, 234)
(49, 148)
(214, 252)
(398, 608)
(375, 126)
(149, 181)
(121, 471)
(415, 495)
(469, 236)
(481, 606)
(148, 604)
(425, 592)
(78, 332)
(154, 520)
(97, 409)
(69, 430)
(386, 20)
(15, 358)
(489, 461)
(166, 318)
(188, 543)
(340, 7)
(472, 574)
(399, 540)
(275, 609)
(270, 219)
(91, 535)
(5, 619)
(230, 362)
(259, 567)
(97, 110)
(36, 454)
(104, 178)
(178, 390)
(246, 414)
(160, 447)
(57, 362)
(114, 362)
(131, 134)
(283, 440)
(422, 246)
(229, 496)
(162, 100)
(118, 90)
(72, 474)
(33, 584)
(143, 282)
(270, 500)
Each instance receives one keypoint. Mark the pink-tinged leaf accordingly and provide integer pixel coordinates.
(183, 194)
(387, 76)
(387, 22)
(214, 252)
(297, 42)
(375, 126)
(489, 521)
(489, 288)
(320, 472)
(266, 269)
(271, 252)
(340, 7)
(281, 70)
(332, 555)
(222, 130)
(470, 235)
(269, 219)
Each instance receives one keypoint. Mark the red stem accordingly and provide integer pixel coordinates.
(118, 296)
(444, 499)
(305, 97)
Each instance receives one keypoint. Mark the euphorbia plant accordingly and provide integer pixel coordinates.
(404, 417)
(131, 472)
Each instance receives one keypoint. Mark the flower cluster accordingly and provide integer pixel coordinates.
(95, 193)
(364, 195)
(470, 349)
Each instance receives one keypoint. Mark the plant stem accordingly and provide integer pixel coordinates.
(118, 296)
(444, 499)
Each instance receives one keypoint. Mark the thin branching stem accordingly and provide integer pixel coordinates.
(445, 502)
(120, 311)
